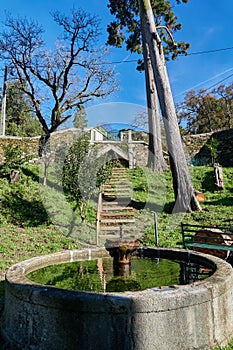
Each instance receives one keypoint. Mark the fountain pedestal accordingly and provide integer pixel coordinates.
(121, 252)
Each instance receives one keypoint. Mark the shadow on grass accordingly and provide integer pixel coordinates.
(221, 202)
(153, 207)
(208, 181)
(23, 212)
(29, 173)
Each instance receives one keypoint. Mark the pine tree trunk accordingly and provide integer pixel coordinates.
(156, 160)
(183, 189)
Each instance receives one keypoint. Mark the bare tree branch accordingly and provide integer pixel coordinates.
(72, 74)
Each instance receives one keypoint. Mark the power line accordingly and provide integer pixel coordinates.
(208, 80)
(219, 82)
(188, 54)
(210, 51)
(210, 87)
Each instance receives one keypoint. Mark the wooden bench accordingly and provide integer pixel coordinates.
(214, 240)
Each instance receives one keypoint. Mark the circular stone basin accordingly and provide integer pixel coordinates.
(194, 316)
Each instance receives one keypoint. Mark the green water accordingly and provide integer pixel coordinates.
(98, 275)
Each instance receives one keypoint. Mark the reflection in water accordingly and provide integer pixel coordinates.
(102, 273)
(98, 275)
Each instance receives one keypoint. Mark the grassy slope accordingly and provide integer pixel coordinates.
(26, 230)
(217, 208)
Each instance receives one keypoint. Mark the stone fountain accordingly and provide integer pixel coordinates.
(184, 317)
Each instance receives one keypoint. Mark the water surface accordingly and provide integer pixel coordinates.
(98, 275)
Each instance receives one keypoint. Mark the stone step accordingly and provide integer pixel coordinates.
(119, 198)
(116, 229)
(116, 181)
(107, 208)
(120, 170)
(119, 175)
(123, 215)
(118, 188)
(116, 196)
(110, 236)
(117, 221)
(115, 177)
(116, 237)
(110, 228)
(120, 202)
(119, 184)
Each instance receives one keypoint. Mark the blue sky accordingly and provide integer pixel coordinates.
(207, 26)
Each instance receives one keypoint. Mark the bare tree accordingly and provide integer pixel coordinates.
(59, 80)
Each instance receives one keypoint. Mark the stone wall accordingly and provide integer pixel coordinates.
(193, 143)
(199, 154)
(196, 151)
(30, 145)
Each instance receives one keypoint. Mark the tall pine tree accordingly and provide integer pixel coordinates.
(127, 29)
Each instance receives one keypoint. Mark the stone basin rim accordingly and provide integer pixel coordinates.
(45, 315)
(16, 275)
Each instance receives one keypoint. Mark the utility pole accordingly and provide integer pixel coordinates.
(3, 110)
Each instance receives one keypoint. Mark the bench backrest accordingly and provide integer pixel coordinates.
(206, 234)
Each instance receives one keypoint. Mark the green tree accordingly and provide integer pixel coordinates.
(14, 159)
(152, 45)
(127, 28)
(80, 118)
(212, 145)
(83, 173)
(19, 117)
(61, 79)
(203, 111)
(71, 171)
(182, 185)
(225, 95)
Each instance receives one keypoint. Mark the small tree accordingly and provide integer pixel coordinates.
(83, 174)
(212, 145)
(80, 118)
(19, 117)
(14, 159)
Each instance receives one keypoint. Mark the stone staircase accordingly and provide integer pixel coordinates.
(116, 217)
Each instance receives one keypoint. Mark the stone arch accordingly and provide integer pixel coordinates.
(114, 152)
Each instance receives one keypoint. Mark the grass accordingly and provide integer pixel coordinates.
(26, 230)
(216, 209)
(228, 347)
(25, 227)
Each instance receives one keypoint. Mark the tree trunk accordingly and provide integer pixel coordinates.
(156, 160)
(218, 176)
(183, 189)
(44, 150)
